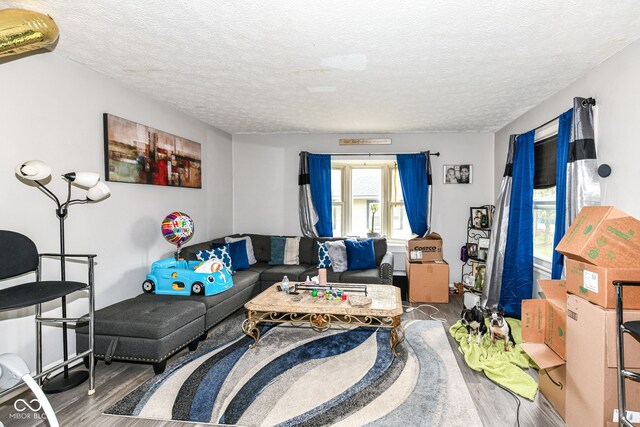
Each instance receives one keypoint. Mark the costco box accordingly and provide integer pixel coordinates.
(428, 281)
(427, 248)
(595, 283)
(603, 236)
(592, 390)
(544, 320)
(552, 374)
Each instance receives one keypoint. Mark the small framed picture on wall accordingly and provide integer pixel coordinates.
(458, 174)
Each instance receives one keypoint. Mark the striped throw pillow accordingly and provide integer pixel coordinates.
(285, 250)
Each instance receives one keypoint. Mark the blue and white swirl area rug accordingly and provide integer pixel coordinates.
(298, 377)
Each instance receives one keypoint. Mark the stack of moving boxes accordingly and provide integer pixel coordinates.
(427, 272)
(601, 246)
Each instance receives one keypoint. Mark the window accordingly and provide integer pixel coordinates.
(544, 201)
(544, 220)
(366, 191)
(367, 197)
(399, 227)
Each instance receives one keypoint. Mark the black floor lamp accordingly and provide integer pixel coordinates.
(37, 171)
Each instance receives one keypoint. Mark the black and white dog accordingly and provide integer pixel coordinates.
(499, 328)
(473, 319)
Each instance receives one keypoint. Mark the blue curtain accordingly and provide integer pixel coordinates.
(517, 275)
(562, 157)
(412, 169)
(320, 182)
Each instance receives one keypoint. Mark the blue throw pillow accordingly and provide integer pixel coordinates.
(360, 254)
(323, 255)
(219, 251)
(238, 253)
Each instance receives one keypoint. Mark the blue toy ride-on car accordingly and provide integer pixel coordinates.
(180, 277)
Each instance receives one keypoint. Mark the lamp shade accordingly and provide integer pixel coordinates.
(98, 192)
(83, 179)
(34, 170)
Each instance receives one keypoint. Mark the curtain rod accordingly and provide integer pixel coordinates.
(377, 154)
(586, 102)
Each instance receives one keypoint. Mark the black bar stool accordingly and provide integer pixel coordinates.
(19, 256)
(633, 328)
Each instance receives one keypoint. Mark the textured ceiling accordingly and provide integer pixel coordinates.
(374, 66)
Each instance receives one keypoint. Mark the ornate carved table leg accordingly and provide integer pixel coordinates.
(250, 328)
(397, 335)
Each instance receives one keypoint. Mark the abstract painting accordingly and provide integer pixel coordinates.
(140, 154)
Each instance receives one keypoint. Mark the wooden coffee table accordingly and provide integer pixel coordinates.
(273, 306)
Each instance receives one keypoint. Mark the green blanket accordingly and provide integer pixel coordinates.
(504, 368)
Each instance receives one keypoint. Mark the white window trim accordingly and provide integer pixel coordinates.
(389, 205)
(546, 131)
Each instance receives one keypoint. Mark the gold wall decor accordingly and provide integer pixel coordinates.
(367, 141)
(24, 30)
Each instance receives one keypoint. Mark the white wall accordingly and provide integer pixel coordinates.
(616, 87)
(51, 109)
(265, 176)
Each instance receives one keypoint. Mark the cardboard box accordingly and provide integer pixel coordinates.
(603, 236)
(592, 388)
(428, 281)
(544, 340)
(427, 248)
(595, 284)
(552, 382)
(552, 375)
(544, 320)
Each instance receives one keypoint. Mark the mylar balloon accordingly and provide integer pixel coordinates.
(177, 228)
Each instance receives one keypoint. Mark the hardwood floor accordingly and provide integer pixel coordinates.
(496, 406)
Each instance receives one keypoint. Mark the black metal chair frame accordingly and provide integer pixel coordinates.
(622, 372)
(14, 305)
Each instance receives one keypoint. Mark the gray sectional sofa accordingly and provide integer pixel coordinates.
(165, 324)
(267, 274)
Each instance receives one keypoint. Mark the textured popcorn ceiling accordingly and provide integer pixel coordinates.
(344, 66)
